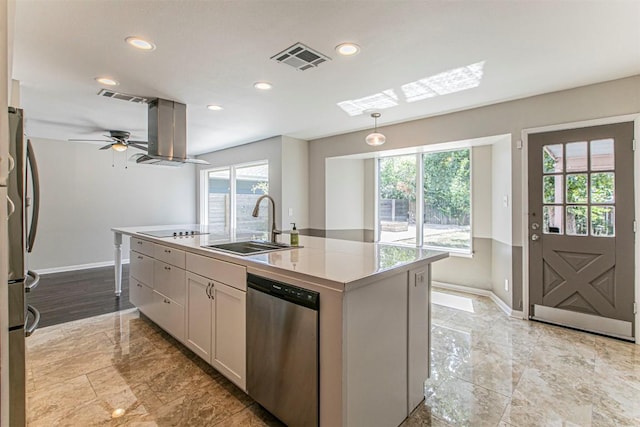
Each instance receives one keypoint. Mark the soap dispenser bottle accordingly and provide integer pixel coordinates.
(294, 235)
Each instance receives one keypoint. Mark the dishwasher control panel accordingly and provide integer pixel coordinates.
(295, 294)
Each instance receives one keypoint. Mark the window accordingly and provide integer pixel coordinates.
(425, 200)
(228, 197)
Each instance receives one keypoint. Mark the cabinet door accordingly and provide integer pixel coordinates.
(199, 315)
(169, 315)
(169, 281)
(229, 333)
(140, 295)
(141, 267)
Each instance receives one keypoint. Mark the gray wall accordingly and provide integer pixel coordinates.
(288, 174)
(614, 98)
(83, 196)
(295, 182)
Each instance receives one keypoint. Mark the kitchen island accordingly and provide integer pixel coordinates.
(374, 319)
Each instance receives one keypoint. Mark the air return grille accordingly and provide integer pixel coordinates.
(300, 57)
(123, 96)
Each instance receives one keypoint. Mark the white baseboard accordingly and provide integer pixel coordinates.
(77, 267)
(482, 292)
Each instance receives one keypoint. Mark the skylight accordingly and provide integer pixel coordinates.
(378, 101)
(444, 83)
(450, 81)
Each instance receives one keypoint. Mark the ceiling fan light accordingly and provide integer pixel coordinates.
(118, 146)
(375, 138)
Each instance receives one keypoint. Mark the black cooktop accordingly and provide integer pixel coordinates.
(173, 233)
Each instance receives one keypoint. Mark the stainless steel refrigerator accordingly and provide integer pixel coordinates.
(23, 194)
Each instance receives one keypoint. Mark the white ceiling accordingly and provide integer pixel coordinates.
(211, 52)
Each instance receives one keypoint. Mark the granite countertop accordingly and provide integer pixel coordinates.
(339, 264)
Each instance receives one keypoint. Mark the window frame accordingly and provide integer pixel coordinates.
(419, 185)
(204, 192)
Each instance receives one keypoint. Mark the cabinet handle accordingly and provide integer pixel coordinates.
(139, 257)
(138, 285)
(207, 290)
(167, 251)
(139, 242)
(167, 301)
(167, 268)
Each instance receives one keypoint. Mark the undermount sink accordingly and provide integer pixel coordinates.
(252, 247)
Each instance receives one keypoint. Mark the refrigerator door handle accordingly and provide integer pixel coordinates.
(12, 162)
(28, 330)
(11, 207)
(35, 180)
(36, 279)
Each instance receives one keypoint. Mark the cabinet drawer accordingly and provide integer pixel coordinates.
(141, 267)
(169, 255)
(142, 246)
(225, 272)
(169, 315)
(169, 280)
(140, 295)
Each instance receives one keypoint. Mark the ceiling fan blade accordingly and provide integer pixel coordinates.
(87, 140)
(137, 142)
(106, 147)
(136, 145)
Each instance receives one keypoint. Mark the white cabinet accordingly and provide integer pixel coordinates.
(169, 281)
(216, 315)
(169, 255)
(141, 267)
(228, 353)
(142, 246)
(157, 284)
(169, 298)
(141, 296)
(168, 314)
(419, 327)
(199, 315)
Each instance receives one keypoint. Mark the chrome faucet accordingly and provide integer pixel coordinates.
(256, 209)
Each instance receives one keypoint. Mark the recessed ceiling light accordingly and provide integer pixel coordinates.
(262, 85)
(215, 107)
(347, 49)
(139, 43)
(107, 81)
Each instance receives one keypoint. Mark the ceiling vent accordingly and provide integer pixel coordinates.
(123, 96)
(300, 57)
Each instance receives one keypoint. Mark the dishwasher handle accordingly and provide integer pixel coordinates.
(293, 294)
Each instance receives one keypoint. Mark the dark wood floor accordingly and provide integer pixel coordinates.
(73, 295)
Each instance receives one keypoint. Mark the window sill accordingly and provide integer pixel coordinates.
(452, 252)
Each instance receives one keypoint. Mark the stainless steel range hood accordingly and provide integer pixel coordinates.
(167, 135)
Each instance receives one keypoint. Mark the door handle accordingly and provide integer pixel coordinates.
(36, 320)
(11, 207)
(35, 182)
(35, 280)
(535, 237)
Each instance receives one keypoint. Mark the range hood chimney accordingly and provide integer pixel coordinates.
(167, 135)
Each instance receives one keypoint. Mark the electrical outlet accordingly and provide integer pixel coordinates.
(506, 285)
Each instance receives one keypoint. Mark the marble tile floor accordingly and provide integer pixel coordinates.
(487, 369)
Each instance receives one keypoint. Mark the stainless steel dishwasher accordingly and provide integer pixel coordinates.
(282, 350)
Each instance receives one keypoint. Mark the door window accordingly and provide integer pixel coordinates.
(578, 186)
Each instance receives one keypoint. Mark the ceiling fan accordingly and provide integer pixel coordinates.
(118, 141)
